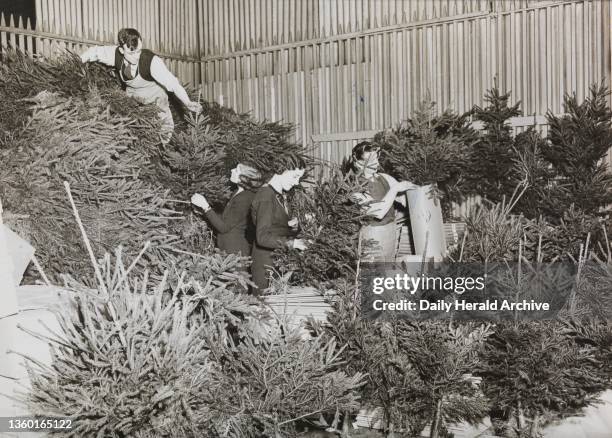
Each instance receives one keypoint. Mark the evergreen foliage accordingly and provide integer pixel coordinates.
(577, 143)
(429, 149)
(142, 358)
(490, 161)
(419, 373)
(66, 121)
(80, 141)
(330, 222)
(533, 174)
(266, 393)
(132, 355)
(195, 161)
(534, 370)
(564, 169)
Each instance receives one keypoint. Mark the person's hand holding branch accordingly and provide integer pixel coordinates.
(195, 107)
(403, 186)
(200, 201)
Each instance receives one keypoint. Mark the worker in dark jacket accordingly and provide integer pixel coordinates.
(235, 231)
(272, 220)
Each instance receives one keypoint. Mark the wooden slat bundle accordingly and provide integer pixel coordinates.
(302, 302)
(453, 233)
(299, 303)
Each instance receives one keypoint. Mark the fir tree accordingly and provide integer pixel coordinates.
(271, 384)
(444, 358)
(577, 143)
(490, 161)
(131, 355)
(429, 149)
(330, 222)
(534, 372)
(146, 358)
(492, 234)
(419, 373)
(532, 172)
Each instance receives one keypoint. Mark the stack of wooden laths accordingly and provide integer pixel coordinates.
(453, 235)
(299, 303)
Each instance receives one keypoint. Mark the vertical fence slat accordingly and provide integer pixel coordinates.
(3, 35)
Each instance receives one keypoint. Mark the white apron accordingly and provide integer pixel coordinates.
(384, 242)
(151, 92)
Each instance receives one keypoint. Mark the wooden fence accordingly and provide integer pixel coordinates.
(169, 26)
(340, 89)
(370, 80)
(17, 33)
(213, 27)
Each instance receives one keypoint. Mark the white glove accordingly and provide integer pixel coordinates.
(404, 185)
(195, 107)
(299, 244)
(200, 201)
(293, 223)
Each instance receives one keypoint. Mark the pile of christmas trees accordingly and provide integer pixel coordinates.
(65, 121)
(144, 358)
(159, 340)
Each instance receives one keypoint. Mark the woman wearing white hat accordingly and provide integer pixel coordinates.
(234, 228)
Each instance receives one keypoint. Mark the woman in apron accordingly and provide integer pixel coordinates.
(381, 192)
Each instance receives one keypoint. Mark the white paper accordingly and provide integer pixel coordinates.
(8, 295)
(21, 253)
(426, 222)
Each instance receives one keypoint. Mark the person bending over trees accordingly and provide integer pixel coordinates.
(144, 76)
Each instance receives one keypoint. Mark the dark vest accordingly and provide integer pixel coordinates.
(144, 64)
(377, 188)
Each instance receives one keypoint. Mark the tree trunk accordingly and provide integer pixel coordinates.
(334, 424)
(435, 425)
(391, 431)
(346, 425)
(519, 419)
(535, 426)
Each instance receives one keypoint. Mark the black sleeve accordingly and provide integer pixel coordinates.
(235, 213)
(263, 215)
